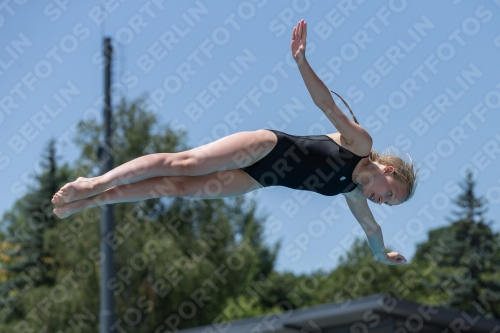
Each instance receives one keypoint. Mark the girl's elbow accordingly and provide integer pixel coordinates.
(372, 229)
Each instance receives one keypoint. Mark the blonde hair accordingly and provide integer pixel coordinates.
(404, 171)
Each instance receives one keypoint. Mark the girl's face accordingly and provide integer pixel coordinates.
(383, 188)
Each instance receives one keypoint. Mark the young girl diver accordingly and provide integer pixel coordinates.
(332, 164)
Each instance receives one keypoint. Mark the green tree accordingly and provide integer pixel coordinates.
(463, 259)
(186, 243)
(28, 256)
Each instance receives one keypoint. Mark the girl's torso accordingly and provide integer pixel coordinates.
(317, 163)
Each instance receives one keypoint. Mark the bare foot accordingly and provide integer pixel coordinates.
(71, 208)
(79, 189)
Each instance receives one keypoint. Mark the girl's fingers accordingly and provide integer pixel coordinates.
(300, 31)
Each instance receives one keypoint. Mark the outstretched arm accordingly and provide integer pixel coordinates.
(362, 213)
(350, 131)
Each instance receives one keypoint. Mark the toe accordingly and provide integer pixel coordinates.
(61, 212)
(59, 199)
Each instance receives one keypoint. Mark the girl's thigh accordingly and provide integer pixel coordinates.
(219, 184)
(234, 151)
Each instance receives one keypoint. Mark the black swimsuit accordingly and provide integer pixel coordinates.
(313, 163)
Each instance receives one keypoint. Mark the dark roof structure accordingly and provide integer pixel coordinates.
(372, 314)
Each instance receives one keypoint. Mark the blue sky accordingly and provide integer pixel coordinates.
(423, 78)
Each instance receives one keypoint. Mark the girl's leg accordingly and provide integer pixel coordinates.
(211, 186)
(231, 152)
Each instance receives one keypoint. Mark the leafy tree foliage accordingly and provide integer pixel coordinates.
(358, 274)
(179, 262)
(183, 262)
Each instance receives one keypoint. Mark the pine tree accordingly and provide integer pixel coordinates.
(467, 265)
(29, 257)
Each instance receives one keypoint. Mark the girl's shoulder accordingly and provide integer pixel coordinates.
(360, 149)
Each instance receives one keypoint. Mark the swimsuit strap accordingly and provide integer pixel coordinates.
(352, 113)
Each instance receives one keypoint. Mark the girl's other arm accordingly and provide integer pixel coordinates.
(361, 211)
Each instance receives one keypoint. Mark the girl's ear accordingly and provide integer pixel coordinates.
(388, 169)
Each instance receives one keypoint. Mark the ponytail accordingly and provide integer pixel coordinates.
(374, 156)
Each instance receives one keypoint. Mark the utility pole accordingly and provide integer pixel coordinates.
(107, 301)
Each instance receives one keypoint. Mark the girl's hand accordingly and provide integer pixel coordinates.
(394, 258)
(298, 44)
